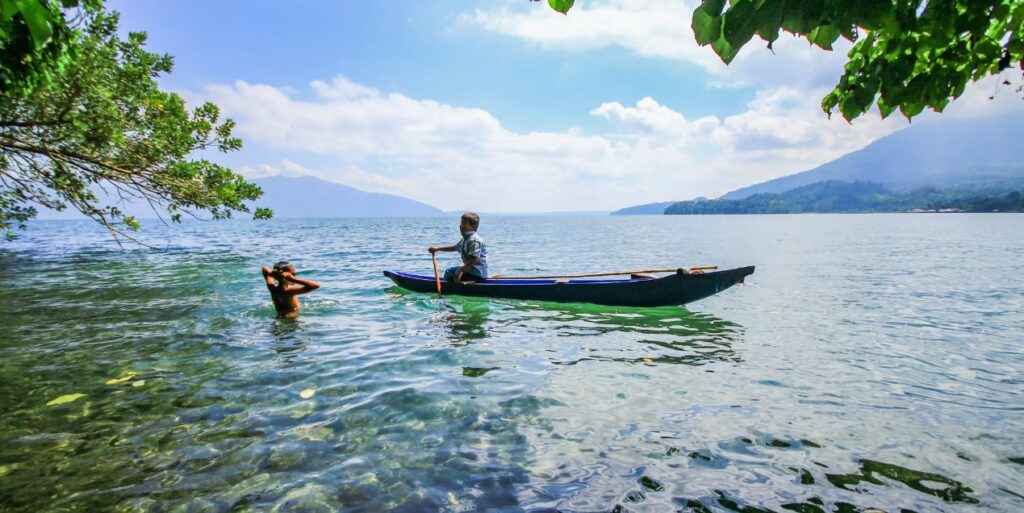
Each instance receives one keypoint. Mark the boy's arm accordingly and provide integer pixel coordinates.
(466, 267)
(301, 286)
(268, 276)
(433, 249)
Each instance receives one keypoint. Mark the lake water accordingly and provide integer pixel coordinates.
(872, 361)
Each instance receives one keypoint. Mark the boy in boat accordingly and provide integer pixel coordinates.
(285, 287)
(472, 250)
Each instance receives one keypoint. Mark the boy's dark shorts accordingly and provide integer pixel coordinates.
(449, 275)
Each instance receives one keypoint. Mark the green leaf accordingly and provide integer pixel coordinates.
(707, 28)
(712, 7)
(739, 23)
(7, 9)
(725, 51)
(910, 109)
(803, 17)
(857, 99)
(127, 377)
(37, 17)
(132, 223)
(1015, 45)
(561, 6)
(65, 399)
(824, 36)
(885, 108)
(769, 20)
(871, 14)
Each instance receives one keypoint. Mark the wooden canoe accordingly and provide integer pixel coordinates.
(675, 289)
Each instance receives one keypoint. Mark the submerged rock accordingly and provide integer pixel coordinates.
(311, 498)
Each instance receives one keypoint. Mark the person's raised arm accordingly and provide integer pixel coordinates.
(268, 276)
(298, 285)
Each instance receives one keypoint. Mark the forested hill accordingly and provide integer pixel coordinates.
(836, 196)
(946, 153)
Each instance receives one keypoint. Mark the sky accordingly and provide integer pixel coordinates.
(508, 106)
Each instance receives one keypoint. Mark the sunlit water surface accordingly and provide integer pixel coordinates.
(872, 361)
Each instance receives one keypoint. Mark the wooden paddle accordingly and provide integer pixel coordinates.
(437, 277)
(592, 275)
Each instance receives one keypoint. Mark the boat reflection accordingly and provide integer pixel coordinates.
(574, 333)
(465, 321)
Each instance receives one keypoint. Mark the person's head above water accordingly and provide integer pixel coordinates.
(285, 287)
(284, 266)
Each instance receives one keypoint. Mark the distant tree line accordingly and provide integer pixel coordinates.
(836, 196)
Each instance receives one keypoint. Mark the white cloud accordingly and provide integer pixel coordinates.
(651, 117)
(456, 157)
(653, 28)
(341, 88)
(285, 168)
(661, 29)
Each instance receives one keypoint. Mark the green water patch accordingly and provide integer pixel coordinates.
(651, 484)
(802, 507)
(728, 501)
(937, 485)
(657, 336)
(476, 372)
(706, 459)
(695, 506)
(871, 472)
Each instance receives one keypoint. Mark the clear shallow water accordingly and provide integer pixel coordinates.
(872, 361)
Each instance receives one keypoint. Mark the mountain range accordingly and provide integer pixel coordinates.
(303, 196)
(942, 154)
(964, 155)
(306, 196)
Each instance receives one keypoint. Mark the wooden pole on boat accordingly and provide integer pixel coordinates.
(594, 275)
(437, 277)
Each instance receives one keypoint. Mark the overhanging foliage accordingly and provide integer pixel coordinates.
(89, 127)
(909, 54)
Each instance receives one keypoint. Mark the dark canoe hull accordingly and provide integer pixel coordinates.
(674, 289)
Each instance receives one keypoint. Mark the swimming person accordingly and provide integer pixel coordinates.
(285, 287)
(472, 250)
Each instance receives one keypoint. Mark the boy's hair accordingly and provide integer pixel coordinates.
(472, 219)
(283, 265)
